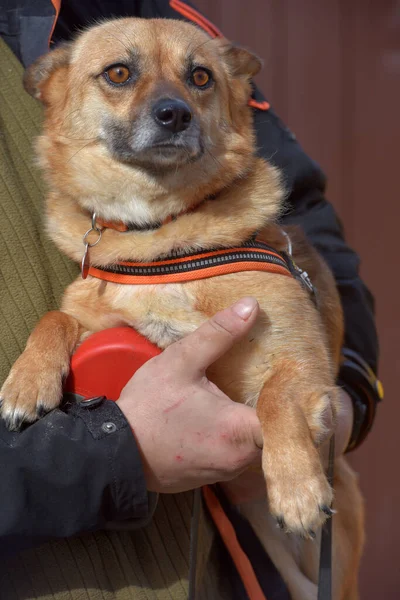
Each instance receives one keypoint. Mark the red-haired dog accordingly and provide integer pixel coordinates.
(147, 127)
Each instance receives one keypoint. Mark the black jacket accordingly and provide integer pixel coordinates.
(56, 457)
(66, 474)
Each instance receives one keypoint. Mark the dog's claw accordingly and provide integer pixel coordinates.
(42, 411)
(325, 509)
(14, 421)
(312, 534)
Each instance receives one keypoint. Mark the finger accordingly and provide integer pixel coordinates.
(240, 430)
(197, 351)
(245, 428)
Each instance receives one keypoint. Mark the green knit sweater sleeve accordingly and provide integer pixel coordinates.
(33, 273)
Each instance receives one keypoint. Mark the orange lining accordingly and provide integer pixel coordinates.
(57, 7)
(231, 542)
(193, 15)
(189, 275)
(261, 105)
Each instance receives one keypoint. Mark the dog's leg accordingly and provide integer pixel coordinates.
(298, 491)
(298, 560)
(34, 384)
(284, 550)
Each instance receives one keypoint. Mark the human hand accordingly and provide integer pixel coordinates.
(189, 432)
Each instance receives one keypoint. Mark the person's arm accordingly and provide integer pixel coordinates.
(307, 206)
(69, 472)
(79, 468)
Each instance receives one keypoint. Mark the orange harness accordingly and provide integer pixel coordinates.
(180, 267)
(254, 255)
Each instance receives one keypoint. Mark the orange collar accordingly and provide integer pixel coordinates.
(123, 227)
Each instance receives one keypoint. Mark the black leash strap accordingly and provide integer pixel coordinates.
(325, 559)
(194, 541)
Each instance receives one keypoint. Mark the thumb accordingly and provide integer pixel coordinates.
(198, 350)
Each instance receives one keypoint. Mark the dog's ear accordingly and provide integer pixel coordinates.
(239, 60)
(44, 79)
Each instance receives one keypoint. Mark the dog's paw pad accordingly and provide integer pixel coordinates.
(299, 503)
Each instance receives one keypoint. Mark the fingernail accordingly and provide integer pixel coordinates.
(245, 307)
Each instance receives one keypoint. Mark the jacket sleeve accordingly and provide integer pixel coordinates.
(308, 207)
(74, 470)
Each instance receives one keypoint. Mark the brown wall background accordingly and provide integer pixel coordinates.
(332, 72)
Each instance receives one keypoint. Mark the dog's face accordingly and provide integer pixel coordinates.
(152, 96)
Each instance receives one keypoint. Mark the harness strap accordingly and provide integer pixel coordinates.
(177, 268)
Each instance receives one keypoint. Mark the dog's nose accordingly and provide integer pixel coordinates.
(174, 115)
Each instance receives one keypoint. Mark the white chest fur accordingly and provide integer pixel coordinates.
(163, 313)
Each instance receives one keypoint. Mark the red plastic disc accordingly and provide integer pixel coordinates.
(104, 363)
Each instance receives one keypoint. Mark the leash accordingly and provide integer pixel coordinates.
(230, 540)
(194, 543)
(325, 558)
(228, 535)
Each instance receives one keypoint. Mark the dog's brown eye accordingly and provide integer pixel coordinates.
(200, 77)
(118, 74)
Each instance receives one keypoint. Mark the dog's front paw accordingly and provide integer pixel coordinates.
(299, 494)
(31, 389)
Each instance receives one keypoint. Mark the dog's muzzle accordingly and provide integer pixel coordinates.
(166, 134)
